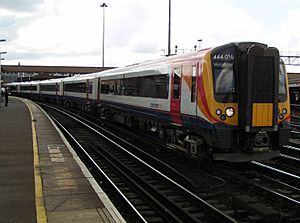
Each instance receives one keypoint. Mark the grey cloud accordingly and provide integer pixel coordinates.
(8, 26)
(39, 54)
(145, 47)
(20, 5)
(13, 55)
(126, 25)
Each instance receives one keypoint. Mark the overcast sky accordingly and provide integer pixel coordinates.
(69, 32)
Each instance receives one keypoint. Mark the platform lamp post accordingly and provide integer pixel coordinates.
(103, 31)
(1, 59)
(1, 40)
(169, 30)
(199, 42)
(1, 75)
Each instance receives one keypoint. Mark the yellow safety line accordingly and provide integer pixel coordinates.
(41, 215)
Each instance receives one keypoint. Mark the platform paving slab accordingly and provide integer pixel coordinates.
(17, 192)
(68, 194)
(87, 215)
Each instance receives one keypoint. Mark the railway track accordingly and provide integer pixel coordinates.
(295, 107)
(153, 196)
(235, 193)
(295, 132)
(291, 150)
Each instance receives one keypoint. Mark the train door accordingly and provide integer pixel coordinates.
(56, 89)
(188, 90)
(192, 99)
(61, 88)
(87, 88)
(258, 105)
(176, 95)
(98, 89)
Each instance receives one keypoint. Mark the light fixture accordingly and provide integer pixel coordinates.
(229, 112)
(218, 111)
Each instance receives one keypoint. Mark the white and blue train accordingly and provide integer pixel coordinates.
(230, 102)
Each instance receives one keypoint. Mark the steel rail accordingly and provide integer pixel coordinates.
(291, 200)
(276, 170)
(292, 148)
(102, 172)
(215, 210)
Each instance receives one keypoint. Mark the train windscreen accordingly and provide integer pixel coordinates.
(224, 74)
(282, 83)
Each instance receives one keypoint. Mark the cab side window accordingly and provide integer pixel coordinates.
(177, 77)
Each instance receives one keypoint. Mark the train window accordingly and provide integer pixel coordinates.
(90, 90)
(223, 77)
(282, 84)
(176, 85)
(155, 86)
(13, 88)
(161, 86)
(104, 87)
(49, 87)
(149, 87)
(111, 89)
(224, 73)
(118, 87)
(29, 88)
(193, 88)
(75, 87)
(131, 87)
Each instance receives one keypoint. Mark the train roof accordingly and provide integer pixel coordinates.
(51, 81)
(23, 83)
(154, 65)
(157, 66)
(80, 77)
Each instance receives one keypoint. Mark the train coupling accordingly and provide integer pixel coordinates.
(261, 139)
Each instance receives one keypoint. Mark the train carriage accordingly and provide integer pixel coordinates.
(79, 90)
(51, 90)
(231, 101)
(27, 89)
(129, 94)
(254, 80)
(294, 90)
(227, 103)
(14, 87)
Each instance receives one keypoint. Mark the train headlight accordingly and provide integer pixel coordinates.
(281, 116)
(223, 117)
(218, 111)
(284, 111)
(229, 112)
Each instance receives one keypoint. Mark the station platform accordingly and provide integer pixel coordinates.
(42, 179)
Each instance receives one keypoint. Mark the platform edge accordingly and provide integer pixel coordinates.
(100, 193)
(41, 214)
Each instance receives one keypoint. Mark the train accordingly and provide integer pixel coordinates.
(229, 102)
(294, 91)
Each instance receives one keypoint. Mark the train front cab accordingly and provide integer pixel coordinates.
(250, 80)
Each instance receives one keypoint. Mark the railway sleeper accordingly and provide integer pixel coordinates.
(257, 209)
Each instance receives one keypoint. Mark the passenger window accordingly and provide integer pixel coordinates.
(111, 88)
(193, 88)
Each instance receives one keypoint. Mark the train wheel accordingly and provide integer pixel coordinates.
(161, 134)
(208, 154)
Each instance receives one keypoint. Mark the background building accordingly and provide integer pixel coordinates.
(13, 73)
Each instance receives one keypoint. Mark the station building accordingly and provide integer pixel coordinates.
(19, 73)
